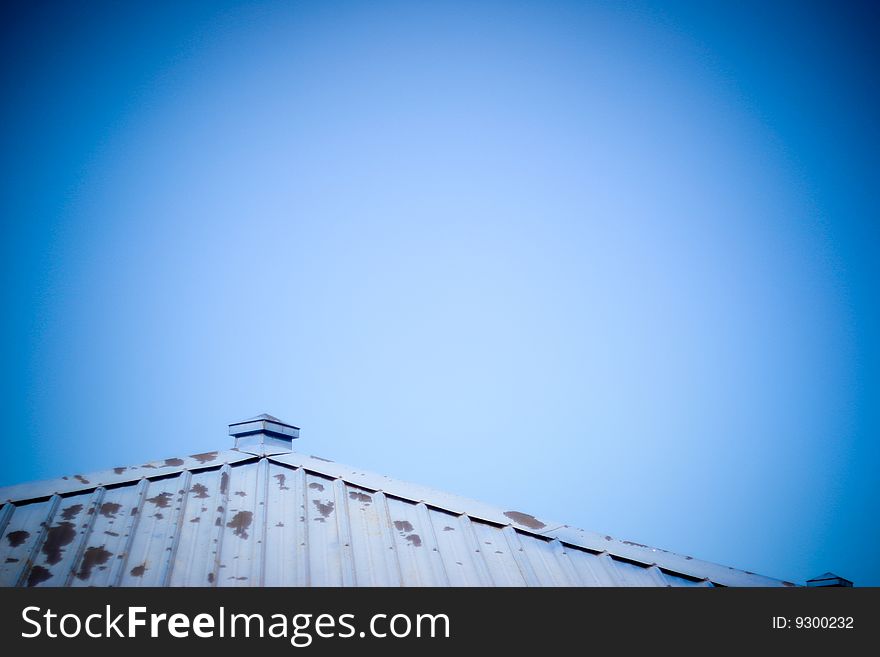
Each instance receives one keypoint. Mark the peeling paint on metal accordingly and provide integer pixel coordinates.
(110, 509)
(94, 556)
(525, 519)
(38, 575)
(162, 500)
(71, 512)
(199, 490)
(240, 523)
(57, 538)
(324, 508)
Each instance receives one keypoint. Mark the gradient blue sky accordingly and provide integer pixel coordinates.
(611, 263)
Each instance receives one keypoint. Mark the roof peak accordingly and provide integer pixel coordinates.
(265, 416)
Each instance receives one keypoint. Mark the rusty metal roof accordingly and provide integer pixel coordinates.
(263, 515)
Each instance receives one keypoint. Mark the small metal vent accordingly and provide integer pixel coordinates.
(829, 579)
(263, 434)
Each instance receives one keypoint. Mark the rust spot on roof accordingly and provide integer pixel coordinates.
(199, 490)
(525, 519)
(94, 556)
(110, 509)
(210, 578)
(224, 482)
(162, 500)
(71, 512)
(316, 486)
(109, 533)
(206, 457)
(138, 571)
(318, 458)
(56, 538)
(241, 493)
(608, 538)
(642, 545)
(81, 479)
(173, 462)
(11, 560)
(18, 537)
(447, 528)
(240, 523)
(403, 525)
(196, 519)
(281, 479)
(324, 509)
(119, 470)
(415, 539)
(148, 465)
(360, 497)
(38, 575)
(158, 515)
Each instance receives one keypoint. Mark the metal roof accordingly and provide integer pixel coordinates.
(263, 515)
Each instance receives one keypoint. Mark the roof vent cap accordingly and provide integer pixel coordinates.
(263, 434)
(828, 579)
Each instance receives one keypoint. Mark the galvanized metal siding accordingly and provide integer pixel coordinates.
(268, 522)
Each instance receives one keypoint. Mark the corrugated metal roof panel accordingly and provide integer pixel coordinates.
(152, 469)
(235, 519)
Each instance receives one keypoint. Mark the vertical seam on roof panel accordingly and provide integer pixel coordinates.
(594, 568)
(85, 532)
(343, 527)
(657, 575)
(173, 539)
(392, 559)
(222, 498)
(611, 568)
(441, 577)
(263, 517)
(301, 551)
(130, 529)
(5, 514)
(566, 564)
(520, 557)
(55, 500)
(479, 559)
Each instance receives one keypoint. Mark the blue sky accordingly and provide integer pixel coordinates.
(607, 263)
